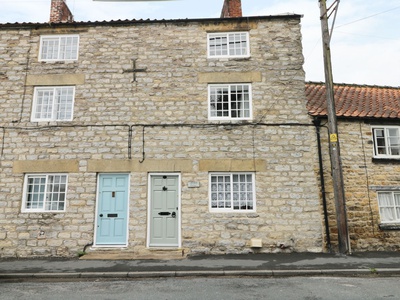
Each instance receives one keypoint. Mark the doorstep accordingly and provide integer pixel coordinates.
(156, 254)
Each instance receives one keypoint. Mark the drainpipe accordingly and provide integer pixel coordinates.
(317, 124)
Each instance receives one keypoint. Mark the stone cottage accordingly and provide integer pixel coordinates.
(133, 136)
(369, 134)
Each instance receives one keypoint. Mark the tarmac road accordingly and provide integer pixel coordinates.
(187, 288)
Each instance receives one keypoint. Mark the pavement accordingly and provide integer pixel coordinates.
(293, 264)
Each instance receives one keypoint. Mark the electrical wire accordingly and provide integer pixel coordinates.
(368, 17)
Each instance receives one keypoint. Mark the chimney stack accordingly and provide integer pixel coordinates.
(59, 12)
(232, 9)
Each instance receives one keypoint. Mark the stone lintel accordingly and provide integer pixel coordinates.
(229, 77)
(55, 79)
(225, 25)
(45, 166)
(232, 165)
(149, 165)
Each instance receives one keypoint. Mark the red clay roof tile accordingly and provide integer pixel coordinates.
(355, 101)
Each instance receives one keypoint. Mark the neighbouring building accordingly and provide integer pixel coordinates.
(164, 134)
(369, 135)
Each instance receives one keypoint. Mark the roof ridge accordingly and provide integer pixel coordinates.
(354, 85)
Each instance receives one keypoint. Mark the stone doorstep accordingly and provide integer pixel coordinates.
(112, 254)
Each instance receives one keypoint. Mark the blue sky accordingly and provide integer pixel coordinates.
(365, 44)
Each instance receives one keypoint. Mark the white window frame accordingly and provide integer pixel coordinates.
(229, 88)
(389, 212)
(388, 146)
(228, 36)
(49, 111)
(64, 49)
(43, 190)
(229, 188)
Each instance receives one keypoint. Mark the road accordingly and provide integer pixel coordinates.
(307, 288)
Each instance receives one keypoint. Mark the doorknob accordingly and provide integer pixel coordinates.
(101, 215)
(173, 215)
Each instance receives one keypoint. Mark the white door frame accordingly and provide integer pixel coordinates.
(97, 207)
(149, 209)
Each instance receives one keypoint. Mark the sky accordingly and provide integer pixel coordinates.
(365, 45)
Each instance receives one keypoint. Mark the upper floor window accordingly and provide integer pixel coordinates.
(53, 103)
(44, 192)
(56, 48)
(232, 192)
(228, 44)
(389, 206)
(229, 101)
(386, 141)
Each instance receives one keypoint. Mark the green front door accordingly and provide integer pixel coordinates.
(164, 211)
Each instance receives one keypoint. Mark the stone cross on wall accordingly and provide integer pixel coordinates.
(134, 70)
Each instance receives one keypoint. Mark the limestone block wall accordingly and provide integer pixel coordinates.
(157, 121)
(361, 175)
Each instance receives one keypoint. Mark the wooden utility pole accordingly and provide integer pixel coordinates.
(337, 174)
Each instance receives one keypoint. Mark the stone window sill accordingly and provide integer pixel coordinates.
(395, 226)
(386, 160)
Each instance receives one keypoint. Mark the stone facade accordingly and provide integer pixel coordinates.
(156, 121)
(363, 175)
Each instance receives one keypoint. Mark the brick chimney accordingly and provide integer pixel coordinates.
(59, 12)
(231, 9)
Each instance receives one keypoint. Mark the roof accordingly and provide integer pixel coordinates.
(355, 101)
(134, 21)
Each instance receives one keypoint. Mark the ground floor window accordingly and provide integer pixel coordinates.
(232, 192)
(44, 192)
(389, 206)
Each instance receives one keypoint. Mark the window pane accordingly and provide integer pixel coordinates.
(228, 44)
(49, 48)
(393, 141)
(231, 101)
(387, 206)
(56, 192)
(63, 103)
(237, 44)
(35, 192)
(54, 103)
(60, 48)
(46, 192)
(233, 191)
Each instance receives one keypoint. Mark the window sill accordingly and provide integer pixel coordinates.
(394, 226)
(385, 160)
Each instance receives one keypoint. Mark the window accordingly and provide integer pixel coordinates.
(389, 206)
(53, 103)
(230, 101)
(63, 47)
(386, 141)
(232, 192)
(232, 44)
(45, 192)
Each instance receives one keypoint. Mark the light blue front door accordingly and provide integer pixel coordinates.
(112, 209)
